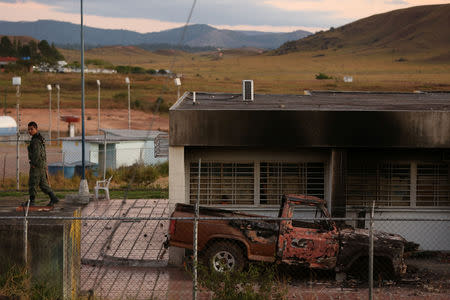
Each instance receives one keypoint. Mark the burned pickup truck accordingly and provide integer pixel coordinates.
(230, 242)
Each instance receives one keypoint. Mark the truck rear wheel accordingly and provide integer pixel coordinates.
(225, 256)
(382, 269)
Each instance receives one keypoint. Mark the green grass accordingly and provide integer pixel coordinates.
(114, 194)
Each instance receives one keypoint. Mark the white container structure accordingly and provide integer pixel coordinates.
(8, 126)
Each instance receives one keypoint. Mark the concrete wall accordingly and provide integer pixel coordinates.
(177, 178)
(54, 249)
(430, 235)
(128, 153)
(72, 150)
(177, 192)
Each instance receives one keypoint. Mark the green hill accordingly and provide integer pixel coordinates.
(412, 30)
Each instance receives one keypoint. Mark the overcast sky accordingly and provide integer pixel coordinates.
(156, 15)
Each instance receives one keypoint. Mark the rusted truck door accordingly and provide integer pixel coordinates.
(314, 244)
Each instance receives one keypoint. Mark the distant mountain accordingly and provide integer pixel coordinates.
(64, 33)
(420, 28)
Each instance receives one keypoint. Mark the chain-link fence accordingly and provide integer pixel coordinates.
(65, 163)
(117, 250)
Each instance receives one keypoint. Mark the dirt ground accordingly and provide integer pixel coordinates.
(109, 118)
(426, 278)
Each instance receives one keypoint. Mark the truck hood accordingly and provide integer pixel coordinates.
(362, 236)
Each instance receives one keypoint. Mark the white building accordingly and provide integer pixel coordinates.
(123, 148)
(351, 149)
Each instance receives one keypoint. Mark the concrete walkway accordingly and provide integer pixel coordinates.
(123, 259)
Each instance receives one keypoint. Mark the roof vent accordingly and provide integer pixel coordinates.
(247, 90)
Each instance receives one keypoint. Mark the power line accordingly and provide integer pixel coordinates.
(166, 83)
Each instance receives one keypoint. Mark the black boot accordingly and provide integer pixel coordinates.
(53, 199)
(32, 203)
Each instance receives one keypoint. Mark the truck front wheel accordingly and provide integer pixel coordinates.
(225, 256)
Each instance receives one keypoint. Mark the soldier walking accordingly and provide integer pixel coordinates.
(38, 166)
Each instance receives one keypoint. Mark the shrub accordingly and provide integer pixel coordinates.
(120, 96)
(163, 106)
(123, 69)
(321, 76)
(260, 281)
(137, 70)
(16, 283)
(130, 69)
(136, 104)
(163, 169)
(138, 174)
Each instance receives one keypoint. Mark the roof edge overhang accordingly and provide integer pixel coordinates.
(295, 128)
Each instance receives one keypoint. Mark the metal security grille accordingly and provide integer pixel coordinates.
(387, 184)
(433, 185)
(247, 93)
(277, 179)
(162, 145)
(222, 183)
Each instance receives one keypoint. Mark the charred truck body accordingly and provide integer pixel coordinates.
(315, 243)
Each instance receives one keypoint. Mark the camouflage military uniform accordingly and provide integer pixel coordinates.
(38, 166)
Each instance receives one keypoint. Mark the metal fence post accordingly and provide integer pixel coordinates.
(63, 163)
(18, 138)
(58, 117)
(371, 251)
(25, 236)
(4, 167)
(104, 156)
(195, 287)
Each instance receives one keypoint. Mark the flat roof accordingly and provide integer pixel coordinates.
(319, 101)
(119, 135)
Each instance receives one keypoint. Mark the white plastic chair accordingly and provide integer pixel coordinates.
(102, 185)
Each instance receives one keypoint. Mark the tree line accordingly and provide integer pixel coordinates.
(31, 53)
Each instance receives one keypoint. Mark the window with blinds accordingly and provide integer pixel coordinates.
(388, 184)
(222, 183)
(277, 179)
(433, 185)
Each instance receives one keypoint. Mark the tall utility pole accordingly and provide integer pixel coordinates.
(84, 188)
(17, 81)
(58, 117)
(127, 81)
(49, 88)
(98, 107)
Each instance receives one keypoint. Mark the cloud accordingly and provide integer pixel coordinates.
(396, 2)
(230, 12)
(156, 15)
